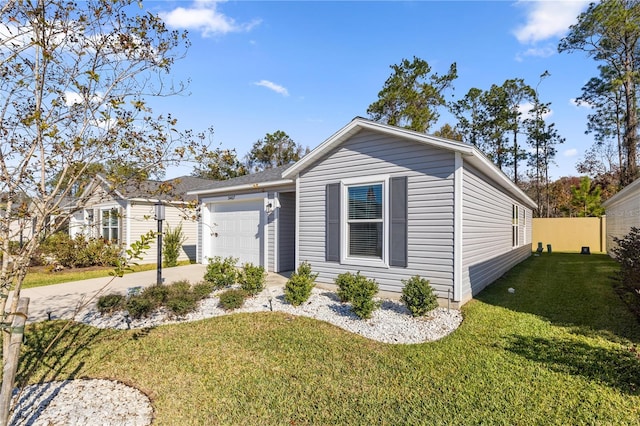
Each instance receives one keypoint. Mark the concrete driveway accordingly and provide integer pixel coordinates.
(62, 301)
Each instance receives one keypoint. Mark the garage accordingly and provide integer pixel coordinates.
(237, 230)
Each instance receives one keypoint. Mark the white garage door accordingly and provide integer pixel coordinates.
(237, 231)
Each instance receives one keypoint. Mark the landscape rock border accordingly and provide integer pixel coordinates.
(81, 402)
(392, 323)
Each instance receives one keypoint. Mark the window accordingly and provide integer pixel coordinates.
(366, 221)
(515, 226)
(365, 224)
(110, 225)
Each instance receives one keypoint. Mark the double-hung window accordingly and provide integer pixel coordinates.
(110, 225)
(515, 226)
(365, 221)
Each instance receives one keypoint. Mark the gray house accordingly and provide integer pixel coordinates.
(623, 212)
(385, 201)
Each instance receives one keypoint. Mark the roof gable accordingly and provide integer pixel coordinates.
(470, 153)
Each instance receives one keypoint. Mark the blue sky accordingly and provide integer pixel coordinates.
(308, 68)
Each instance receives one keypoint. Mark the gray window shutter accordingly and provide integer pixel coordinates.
(332, 217)
(398, 231)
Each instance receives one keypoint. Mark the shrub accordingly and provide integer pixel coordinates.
(627, 254)
(139, 306)
(221, 272)
(171, 245)
(346, 285)
(298, 288)
(418, 296)
(202, 290)
(361, 298)
(252, 278)
(80, 252)
(182, 303)
(157, 295)
(110, 303)
(180, 298)
(232, 299)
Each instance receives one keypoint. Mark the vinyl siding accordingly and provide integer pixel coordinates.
(487, 232)
(287, 231)
(142, 221)
(430, 207)
(622, 215)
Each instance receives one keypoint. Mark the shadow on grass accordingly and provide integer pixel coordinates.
(614, 367)
(569, 290)
(45, 357)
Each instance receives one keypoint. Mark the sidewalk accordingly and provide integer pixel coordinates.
(61, 301)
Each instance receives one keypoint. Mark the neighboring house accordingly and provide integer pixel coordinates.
(123, 215)
(622, 212)
(385, 201)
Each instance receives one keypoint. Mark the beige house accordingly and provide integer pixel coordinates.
(123, 215)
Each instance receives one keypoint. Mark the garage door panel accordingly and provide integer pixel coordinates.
(238, 231)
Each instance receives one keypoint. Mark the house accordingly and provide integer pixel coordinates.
(385, 201)
(122, 215)
(623, 212)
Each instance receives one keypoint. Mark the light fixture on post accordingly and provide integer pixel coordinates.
(159, 209)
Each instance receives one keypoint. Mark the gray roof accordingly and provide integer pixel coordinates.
(269, 175)
(171, 189)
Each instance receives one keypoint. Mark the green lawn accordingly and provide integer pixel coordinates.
(557, 351)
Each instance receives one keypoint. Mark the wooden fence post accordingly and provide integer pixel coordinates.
(11, 358)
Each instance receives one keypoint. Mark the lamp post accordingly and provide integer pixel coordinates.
(159, 218)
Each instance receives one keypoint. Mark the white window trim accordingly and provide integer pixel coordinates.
(344, 214)
(515, 226)
(118, 226)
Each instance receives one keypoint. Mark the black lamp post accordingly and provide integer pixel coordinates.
(159, 218)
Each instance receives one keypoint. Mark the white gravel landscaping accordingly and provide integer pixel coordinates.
(391, 323)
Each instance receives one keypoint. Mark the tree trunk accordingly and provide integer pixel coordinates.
(11, 358)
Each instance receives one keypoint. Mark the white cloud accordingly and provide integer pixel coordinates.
(548, 19)
(273, 86)
(525, 109)
(580, 104)
(540, 52)
(571, 152)
(204, 16)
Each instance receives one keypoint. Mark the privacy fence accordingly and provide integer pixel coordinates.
(570, 234)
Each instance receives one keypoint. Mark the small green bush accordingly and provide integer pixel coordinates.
(182, 303)
(110, 303)
(298, 288)
(180, 298)
(361, 298)
(627, 253)
(232, 299)
(157, 295)
(418, 296)
(202, 290)
(252, 278)
(171, 245)
(139, 306)
(346, 283)
(221, 272)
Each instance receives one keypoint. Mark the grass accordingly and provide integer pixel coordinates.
(557, 351)
(38, 277)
